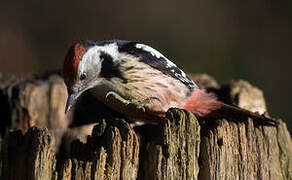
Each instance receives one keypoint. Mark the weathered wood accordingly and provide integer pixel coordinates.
(174, 154)
(233, 150)
(29, 156)
(113, 155)
(38, 102)
(104, 147)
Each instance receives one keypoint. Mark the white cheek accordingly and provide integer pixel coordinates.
(90, 63)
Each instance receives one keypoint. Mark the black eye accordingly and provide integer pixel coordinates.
(83, 76)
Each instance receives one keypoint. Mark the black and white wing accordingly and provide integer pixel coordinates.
(155, 59)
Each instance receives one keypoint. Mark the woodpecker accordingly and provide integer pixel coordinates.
(137, 81)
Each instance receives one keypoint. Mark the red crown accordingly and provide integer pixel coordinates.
(72, 60)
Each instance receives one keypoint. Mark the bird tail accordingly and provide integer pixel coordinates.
(206, 105)
(202, 103)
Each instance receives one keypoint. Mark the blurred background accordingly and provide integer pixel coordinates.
(229, 40)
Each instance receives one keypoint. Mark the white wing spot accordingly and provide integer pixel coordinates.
(183, 74)
(169, 65)
(155, 53)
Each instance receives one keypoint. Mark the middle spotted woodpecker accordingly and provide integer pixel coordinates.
(137, 81)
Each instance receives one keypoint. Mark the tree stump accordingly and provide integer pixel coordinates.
(90, 144)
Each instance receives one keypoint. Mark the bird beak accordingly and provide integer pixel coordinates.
(72, 96)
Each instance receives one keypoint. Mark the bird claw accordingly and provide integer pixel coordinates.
(137, 103)
(140, 104)
(110, 93)
(117, 97)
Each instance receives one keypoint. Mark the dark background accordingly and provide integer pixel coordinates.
(227, 39)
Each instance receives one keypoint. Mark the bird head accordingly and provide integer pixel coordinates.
(82, 67)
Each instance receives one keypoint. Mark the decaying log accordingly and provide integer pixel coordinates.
(37, 102)
(241, 150)
(29, 156)
(112, 155)
(175, 151)
(105, 146)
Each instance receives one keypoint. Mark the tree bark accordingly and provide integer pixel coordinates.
(242, 150)
(29, 156)
(174, 153)
(91, 144)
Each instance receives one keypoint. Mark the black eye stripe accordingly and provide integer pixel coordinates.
(109, 69)
(105, 56)
(107, 65)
